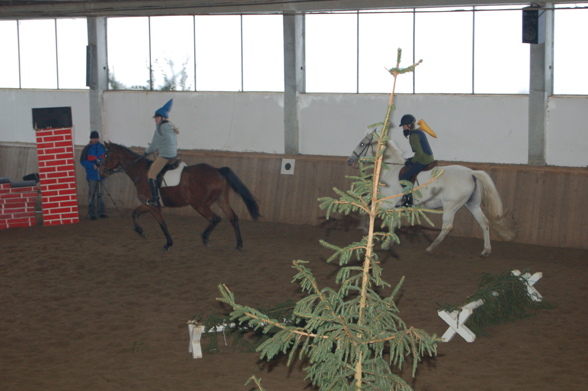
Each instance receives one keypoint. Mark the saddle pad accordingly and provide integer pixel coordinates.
(172, 177)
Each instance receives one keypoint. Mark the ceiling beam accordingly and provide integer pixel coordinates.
(40, 9)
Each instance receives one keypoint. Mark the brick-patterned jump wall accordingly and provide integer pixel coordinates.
(55, 154)
(17, 204)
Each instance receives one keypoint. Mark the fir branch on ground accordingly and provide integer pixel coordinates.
(242, 337)
(505, 298)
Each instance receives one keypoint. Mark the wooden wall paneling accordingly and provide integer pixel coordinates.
(549, 204)
(505, 181)
(554, 214)
(526, 205)
(578, 207)
(18, 161)
(543, 205)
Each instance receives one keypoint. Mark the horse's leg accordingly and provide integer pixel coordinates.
(446, 227)
(484, 224)
(233, 218)
(213, 220)
(156, 212)
(136, 213)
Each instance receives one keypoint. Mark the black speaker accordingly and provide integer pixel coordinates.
(533, 25)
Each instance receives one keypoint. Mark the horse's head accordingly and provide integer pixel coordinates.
(111, 162)
(365, 147)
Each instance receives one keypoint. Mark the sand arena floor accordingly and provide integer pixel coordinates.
(94, 307)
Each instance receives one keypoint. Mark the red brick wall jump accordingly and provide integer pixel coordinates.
(55, 153)
(17, 206)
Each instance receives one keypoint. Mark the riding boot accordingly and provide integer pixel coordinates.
(407, 200)
(154, 193)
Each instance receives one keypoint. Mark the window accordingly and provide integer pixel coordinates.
(47, 53)
(444, 41)
(38, 53)
(263, 53)
(218, 53)
(570, 62)
(464, 50)
(72, 39)
(501, 60)
(381, 34)
(128, 53)
(9, 77)
(172, 52)
(331, 52)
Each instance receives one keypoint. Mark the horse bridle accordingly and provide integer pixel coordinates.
(121, 167)
(363, 152)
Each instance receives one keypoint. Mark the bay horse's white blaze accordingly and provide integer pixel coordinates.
(457, 186)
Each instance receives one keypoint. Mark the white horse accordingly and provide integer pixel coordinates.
(456, 186)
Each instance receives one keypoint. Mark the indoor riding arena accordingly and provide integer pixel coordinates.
(89, 304)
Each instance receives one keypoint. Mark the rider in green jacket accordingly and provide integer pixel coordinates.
(423, 155)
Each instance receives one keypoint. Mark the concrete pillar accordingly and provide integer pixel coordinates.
(294, 79)
(540, 88)
(97, 70)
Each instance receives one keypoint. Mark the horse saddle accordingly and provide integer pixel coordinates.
(171, 173)
(429, 166)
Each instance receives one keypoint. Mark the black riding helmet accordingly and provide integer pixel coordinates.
(407, 119)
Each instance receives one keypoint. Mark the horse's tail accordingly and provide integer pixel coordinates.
(503, 225)
(242, 190)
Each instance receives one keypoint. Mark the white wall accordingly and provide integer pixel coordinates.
(567, 139)
(251, 122)
(471, 128)
(16, 112)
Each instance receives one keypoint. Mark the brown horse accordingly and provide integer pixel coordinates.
(201, 186)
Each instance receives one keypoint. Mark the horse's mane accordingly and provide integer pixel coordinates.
(125, 149)
(392, 154)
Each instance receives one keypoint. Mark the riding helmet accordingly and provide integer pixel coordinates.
(407, 119)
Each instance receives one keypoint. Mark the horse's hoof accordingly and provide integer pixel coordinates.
(239, 247)
(486, 253)
(166, 247)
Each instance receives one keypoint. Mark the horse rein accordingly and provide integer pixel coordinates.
(363, 152)
(121, 167)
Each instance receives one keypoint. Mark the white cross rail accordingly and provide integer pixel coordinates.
(196, 334)
(456, 319)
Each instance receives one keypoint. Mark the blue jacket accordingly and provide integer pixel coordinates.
(92, 154)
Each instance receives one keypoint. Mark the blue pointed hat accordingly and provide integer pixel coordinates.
(164, 111)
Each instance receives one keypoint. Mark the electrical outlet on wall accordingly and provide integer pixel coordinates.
(288, 166)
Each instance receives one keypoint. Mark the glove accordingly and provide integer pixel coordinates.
(408, 162)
